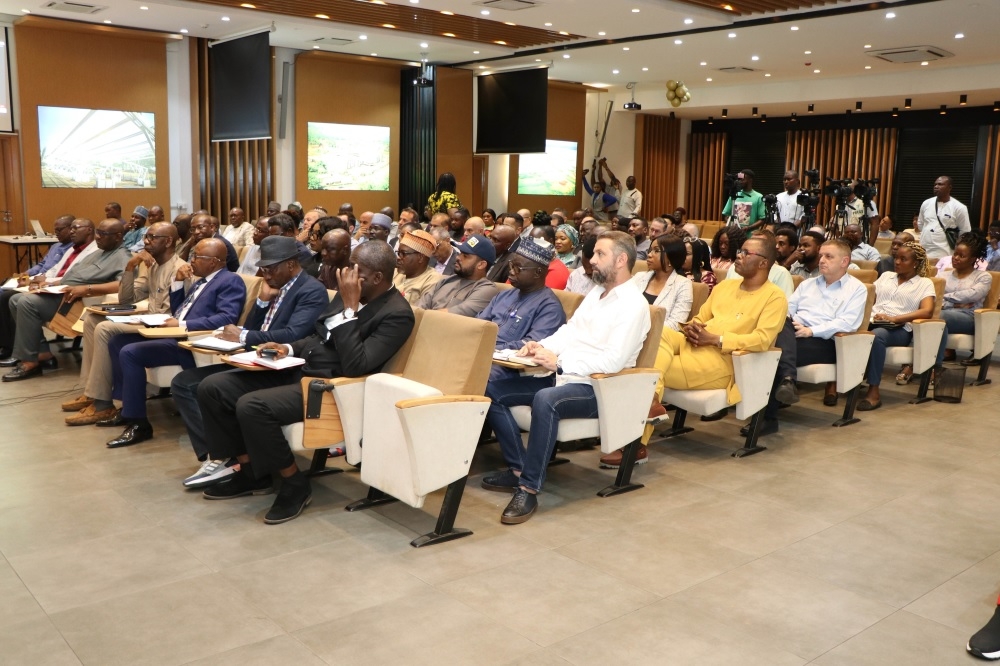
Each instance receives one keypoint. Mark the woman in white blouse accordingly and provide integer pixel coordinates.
(965, 286)
(900, 297)
(665, 285)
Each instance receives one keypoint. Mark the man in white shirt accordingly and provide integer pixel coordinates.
(859, 248)
(248, 266)
(789, 210)
(605, 335)
(239, 232)
(939, 216)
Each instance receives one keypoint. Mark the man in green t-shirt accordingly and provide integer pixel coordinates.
(747, 208)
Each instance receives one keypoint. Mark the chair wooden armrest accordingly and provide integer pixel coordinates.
(842, 335)
(626, 371)
(440, 400)
(926, 321)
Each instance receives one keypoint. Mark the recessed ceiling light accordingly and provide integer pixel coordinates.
(322, 16)
(108, 22)
(601, 34)
(808, 52)
(538, 59)
(868, 46)
(448, 34)
(145, 8)
(614, 71)
(624, 48)
(225, 18)
(26, 11)
(703, 63)
(890, 15)
(566, 55)
(184, 31)
(377, 2)
(959, 35)
(678, 41)
(924, 63)
(414, 2)
(245, 4)
(548, 25)
(794, 28)
(767, 76)
(509, 23)
(423, 45)
(564, 33)
(868, 66)
(688, 21)
(635, 11)
(728, 8)
(485, 12)
(482, 67)
(732, 35)
(389, 25)
(374, 54)
(475, 53)
(362, 37)
(755, 58)
(815, 71)
(645, 69)
(446, 13)
(500, 42)
(709, 79)
(315, 47)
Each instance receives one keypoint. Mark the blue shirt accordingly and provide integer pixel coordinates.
(524, 317)
(829, 309)
(50, 259)
(135, 240)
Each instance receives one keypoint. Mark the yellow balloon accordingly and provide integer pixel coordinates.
(671, 94)
(687, 97)
(680, 90)
(671, 84)
(675, 102)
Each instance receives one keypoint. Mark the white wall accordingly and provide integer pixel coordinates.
(284, 149)
(179, 126)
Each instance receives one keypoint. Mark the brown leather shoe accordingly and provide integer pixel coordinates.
(89, 416)
(76, 404)
(614, 460)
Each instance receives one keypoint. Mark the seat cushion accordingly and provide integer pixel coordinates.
(698, 402)
(817, 373)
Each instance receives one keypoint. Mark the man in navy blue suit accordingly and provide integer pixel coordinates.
(212, 302)
(286, 310)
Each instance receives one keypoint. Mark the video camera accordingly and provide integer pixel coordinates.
(866, 189)
(732, 184)
(840, 190)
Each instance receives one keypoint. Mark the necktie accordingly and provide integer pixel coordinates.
(186, 305)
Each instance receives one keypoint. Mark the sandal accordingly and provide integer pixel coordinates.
(866, 406)
(904, 378)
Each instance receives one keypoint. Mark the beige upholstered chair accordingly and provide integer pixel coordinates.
(982, 342)
(922, 352)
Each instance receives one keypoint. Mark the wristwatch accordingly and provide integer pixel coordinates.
(559, 369)
(348, 313)
(720, 342)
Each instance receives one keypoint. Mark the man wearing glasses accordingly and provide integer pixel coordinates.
(213, 301)
(147, 276)
(90, 269)
(414, 276)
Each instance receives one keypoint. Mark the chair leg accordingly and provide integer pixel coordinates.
(623, 482)
(677, 424)
(925, 383)
(318, 466)
(984, 367)
(750, 446)
(553, 461)
(375, 498)
(852, 400)
(445, 529)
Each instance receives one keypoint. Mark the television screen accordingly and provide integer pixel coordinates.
(96, 148)
(348, 157)
(512, 112)
(552, 172)
(6, 115)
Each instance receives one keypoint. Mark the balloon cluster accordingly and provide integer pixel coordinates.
(677, 93)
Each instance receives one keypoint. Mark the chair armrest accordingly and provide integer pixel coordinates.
(987, 327)
(623, 400)
(926, 339)
(853, 350)
(754, 376)
(440, 400)
(349, 393)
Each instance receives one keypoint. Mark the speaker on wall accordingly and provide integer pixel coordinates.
(286, 71)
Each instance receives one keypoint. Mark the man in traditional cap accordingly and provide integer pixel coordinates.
(414, 277)
(379, 227)
(135, 230)
(468, 290)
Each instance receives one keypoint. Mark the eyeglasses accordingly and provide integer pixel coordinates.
(155, 236)
(204, 256)
(742, 253)
(403, 254)
(517, 268)
(267, 270)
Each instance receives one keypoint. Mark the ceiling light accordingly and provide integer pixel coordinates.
(868, 66)
(725, 113)
(731, 35)
(500, 42)
(709, 79)
(959, 35)
(322, 16)
(794, 117)
(755, 112)
(811, 107)
(566, 55)
(145, 8)
(924, 63)
(482, 67)
(728, 8)
(536, 59)
(362, 37)
(389, 25)
(890, 15)
(808, 52)
(414, 2)
(245, 4)
(184, 31)
(755, 58)
(475, 53)
(315, 46)
(944, 110)
(225, 18)
(485, 12)
(614, 71)
(108, 22)
(446, 13)
(702, 63)
(624, 48)
(601, 34)
(423, 45)
(635, 11)
(448, 34)
(794, 28)
(767, 76)
(711, 120)
(848, 112)
(678, 41)
(548, 25)
(26, 11)
(815, 71)
(645, 69)
(374, 54)
(895, 112)
(763, 118)
(996, 106)
(907, 103)
(688, 21)
(509, 23)
(868, 46)
(963, 100)
(564, 33)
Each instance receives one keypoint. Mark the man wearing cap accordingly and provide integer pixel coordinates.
(445, 253)
(414, 277)
(505, 243)
(147, 276)
(240, 231)
(285, 311)
(379, 227)
(213, 301)
(529, 311)
(468, 291)
(135, 229)
(362, 327)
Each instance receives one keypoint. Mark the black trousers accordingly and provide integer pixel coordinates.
(796, 352)
(243, 414)
(6, 320)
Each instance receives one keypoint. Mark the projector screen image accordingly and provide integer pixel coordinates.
(348, 157)
(552, 172)
(96, 148)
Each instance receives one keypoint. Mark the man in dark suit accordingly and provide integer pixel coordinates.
(207, 226)
(364, 325)
(285, 311)
(213, 301)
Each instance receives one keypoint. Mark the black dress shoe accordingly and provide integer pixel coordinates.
(49, 364)
(502, 482)
(19, 373)
(293, 497)
(5, 353)
(721, 414)
(768, 427)
(115, 421)
(132, 434)
(238, 485)
(521, 506)
(9, 362)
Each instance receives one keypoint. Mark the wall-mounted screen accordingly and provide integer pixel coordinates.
(6, 114)
(552, 172)
(96, 148)
(348, 157)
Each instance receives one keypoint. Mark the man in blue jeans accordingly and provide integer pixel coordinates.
(605, 335)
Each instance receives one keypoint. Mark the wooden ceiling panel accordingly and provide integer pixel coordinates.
(408, 19)
(748, 7)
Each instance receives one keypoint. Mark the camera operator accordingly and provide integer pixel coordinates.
(855, 209)
(745, 206)
(942, 220)
(790, 211)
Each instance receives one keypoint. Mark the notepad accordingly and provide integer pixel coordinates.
(251, 358)
(218, 344)
(510, 355)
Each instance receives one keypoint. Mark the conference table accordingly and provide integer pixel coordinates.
(27, 249)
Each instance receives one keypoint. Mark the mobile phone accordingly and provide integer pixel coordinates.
(269, 353)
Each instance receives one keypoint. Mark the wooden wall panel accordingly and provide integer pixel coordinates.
(706, 166)
(231, 174)
(565, 121)
(62, 63)
(453, 88)
(657, 151)
(866, 153)
(354, 91)
(989, 205)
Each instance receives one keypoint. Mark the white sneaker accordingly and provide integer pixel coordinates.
(210, 473)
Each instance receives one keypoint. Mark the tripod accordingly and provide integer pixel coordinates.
(835, 229)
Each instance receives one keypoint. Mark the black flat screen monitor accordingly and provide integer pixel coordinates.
(512, 112)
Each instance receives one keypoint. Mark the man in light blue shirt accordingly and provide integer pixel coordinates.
(55, 253)
(820, 308)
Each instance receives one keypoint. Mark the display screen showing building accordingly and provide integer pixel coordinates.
(96, 148)
(552, 172)
(348, 157)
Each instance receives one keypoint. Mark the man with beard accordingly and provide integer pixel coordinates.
(468, 290)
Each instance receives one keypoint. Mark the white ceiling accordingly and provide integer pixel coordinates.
(837, 44)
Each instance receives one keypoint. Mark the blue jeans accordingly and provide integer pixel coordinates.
(960, 321)
(893, 337)
(549, 404)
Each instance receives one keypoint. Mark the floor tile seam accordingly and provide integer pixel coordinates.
(942, 584)
(65, 640)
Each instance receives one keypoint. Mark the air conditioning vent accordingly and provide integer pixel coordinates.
(332, 41)
(907, 54)
(737, 70)
(509, 5)
(75, 7)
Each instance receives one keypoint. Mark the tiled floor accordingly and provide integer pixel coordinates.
(872, 544)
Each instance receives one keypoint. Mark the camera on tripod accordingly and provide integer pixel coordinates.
(866, 189)
(840, 190)
(732, 184)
